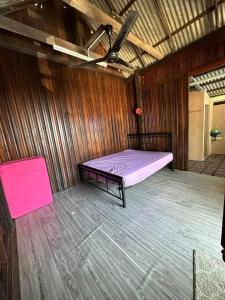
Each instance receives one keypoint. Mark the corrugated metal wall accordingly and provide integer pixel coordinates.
(68, 116)
(166, 89)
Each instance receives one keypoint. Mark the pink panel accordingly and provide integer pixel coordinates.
(26, 185)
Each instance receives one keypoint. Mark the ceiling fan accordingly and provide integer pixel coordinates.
(112, 54)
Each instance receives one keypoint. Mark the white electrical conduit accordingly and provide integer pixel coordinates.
(76, 54)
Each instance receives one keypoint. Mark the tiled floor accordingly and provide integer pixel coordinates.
(214, 165)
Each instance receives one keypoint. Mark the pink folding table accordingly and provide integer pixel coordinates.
(25, 185)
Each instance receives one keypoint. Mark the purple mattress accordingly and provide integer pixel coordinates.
(133, 165)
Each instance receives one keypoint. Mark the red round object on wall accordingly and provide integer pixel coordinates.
(138, 111)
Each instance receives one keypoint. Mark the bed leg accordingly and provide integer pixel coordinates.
(80, 174)
(223, 254)
(172, 166)
(123, 196)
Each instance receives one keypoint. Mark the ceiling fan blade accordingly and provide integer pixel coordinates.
(124, 31)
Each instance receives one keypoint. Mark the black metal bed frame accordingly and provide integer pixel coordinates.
(114, 184)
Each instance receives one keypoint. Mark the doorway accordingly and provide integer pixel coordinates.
(206, 132)
(207, 123)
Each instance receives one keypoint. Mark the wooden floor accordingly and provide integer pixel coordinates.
(85, 246)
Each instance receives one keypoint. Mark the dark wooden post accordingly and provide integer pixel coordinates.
(139, 104)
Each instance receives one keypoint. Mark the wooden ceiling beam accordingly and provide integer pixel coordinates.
(42, 51)
(198, 17)
(184, 26)
(25, 30)
(139, 57)
(216, 3)
(126, 7)
(101, 17)
(72, 48)
(40, 36)
(163, 20)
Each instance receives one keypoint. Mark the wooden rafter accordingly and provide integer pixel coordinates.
(137, 52)
(101, 17)
(164, 22)
(198, 17)
(26, 46)
(139, 101)
(40, 36)
(216, 3)
(126, 7)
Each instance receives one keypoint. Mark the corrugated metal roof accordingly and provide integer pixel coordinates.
(150, 28)
(181, 17)
(213, 82)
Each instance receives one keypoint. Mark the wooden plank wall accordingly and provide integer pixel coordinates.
(9, 276)
(48, 109)
(165, 109)
(67, 115)
(165, 91)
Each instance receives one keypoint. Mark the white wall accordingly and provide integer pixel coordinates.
(197, 102)
(209, 102)
(218, 146)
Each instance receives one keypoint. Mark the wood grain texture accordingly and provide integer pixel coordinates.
(66, 115)
(9, 277)
(199, 56)
(98, 15)
(51, 24)
(166, 109)
(47, 109)
(165, 91)
(84, 246)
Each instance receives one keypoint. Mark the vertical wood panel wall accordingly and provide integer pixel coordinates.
(165, 93)
(165, 108)
(67, 115)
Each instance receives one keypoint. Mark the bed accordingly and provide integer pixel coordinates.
(116, 172)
